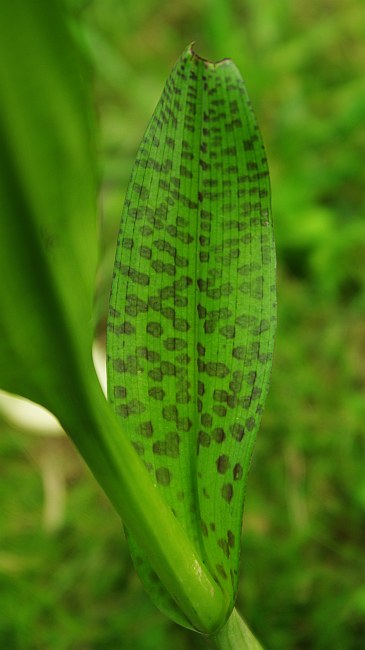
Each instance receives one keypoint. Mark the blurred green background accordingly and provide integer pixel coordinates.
(66, 581)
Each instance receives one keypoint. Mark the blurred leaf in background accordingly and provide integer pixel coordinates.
(48, 193)
(304, 531)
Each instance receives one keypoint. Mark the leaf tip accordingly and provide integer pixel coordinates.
(192, 54)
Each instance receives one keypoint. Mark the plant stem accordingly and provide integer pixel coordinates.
(96, 431)
(235, 635)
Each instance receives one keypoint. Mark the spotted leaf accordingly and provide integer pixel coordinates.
(192, 310)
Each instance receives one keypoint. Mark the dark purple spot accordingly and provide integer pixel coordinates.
(227, 492)
(237, 472)
(223, 464)
(163, 476)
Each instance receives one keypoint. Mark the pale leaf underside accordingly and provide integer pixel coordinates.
(192, 312)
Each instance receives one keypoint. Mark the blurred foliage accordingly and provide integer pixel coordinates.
(303, 569)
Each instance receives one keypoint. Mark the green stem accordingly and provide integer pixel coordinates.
(235, 635)
(95, 430)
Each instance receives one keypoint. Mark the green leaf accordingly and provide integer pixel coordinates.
(192, 311)
(48, 237)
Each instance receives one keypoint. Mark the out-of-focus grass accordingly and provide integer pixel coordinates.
(76, 588)
(303, 571)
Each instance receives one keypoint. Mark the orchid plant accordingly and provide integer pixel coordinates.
(192, 307)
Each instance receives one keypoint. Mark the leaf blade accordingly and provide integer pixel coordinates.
(194, 269)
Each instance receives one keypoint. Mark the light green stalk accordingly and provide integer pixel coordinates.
(113, 461)
(235, 635)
